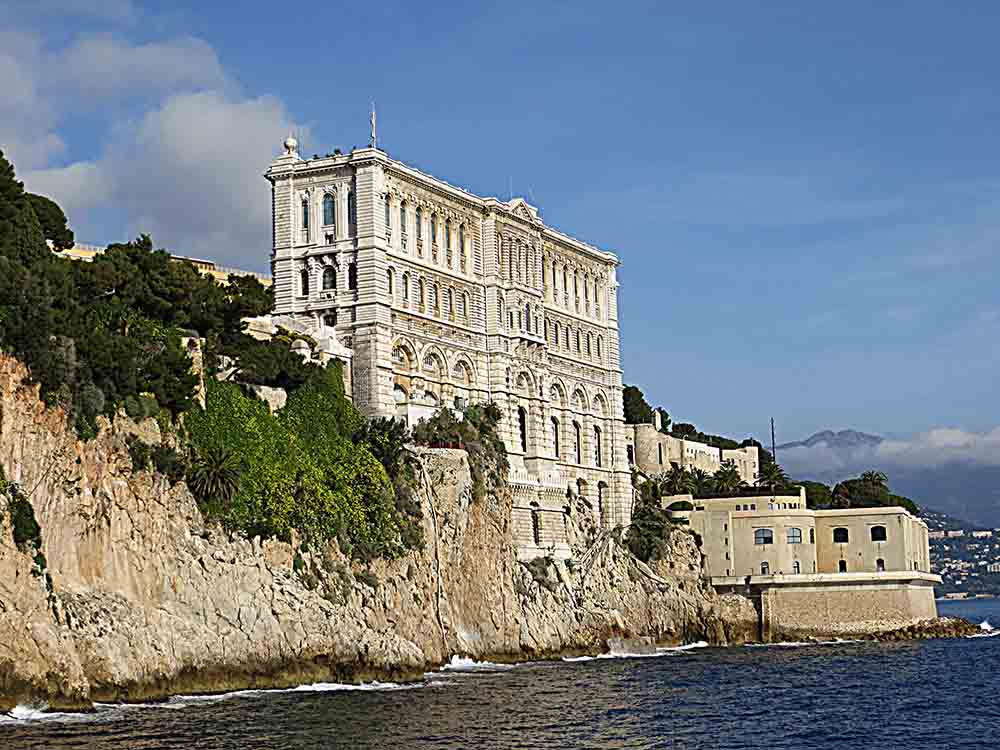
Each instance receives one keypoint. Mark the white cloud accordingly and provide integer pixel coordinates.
(76, 188)
(104, 66)
(109, 11)
(940, 446)
(27, 118)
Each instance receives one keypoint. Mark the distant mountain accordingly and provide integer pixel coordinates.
(844, 440)
(959, 488)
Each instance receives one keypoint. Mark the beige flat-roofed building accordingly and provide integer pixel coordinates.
(654, 452)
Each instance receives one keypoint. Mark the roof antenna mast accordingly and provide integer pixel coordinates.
(374, 138)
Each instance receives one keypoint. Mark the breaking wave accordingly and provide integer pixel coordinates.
(466, 664)
(661, 651)
(799, 644)
(988, 631)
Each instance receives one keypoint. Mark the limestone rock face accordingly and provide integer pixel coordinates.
(145, 600)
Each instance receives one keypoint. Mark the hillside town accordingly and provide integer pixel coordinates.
(966, 557)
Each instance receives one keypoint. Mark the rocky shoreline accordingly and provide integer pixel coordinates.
(140, 600)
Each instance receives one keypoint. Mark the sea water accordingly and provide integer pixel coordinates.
(845, 695)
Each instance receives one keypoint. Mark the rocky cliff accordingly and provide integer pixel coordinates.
(137, 598)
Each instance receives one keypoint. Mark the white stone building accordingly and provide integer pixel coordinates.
(449, 298)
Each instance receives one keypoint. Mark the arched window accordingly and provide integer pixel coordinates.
(330, 320)
(391, 280)
(352, 208)
(305, 214)
(536, 526)
(329, 278)
(461, 238)
(588, 344)
(328, 210)
(577, 444)
(420, 293)
(418, 218)
(554, 424)
(763, 536)
(812, 536)
(449, 298)
(880, 565)
(500, 312)
(527, 317)
(842, 566)
(841, 536)
(304, 282)
(566, 337)
(402, 217)
(630, 454)
(795, 536)
(462, 305)
(352, 276)
(406, 287)
(600, 347)
(796, 567)
(434, 229)
(578, 349)
(597, 447)
(765, 569)
(522, 423)
(878, 534)
(447, 234)
(388, 213)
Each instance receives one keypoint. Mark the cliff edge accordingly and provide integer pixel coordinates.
(135, 597)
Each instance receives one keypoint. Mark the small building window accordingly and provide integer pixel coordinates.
(388, 214)
(329, 278)
(795, 536)
(305, 214)
(659, 453)
(878, 534)
(304, 282)
(418, 216)
(330, 320)
(391, 280)
(555, 435)
(880, 565)
(842, 566)
(434, 230)
(763, 536)
(352, 276)
(796, 567)
(841, 536)
(630, 454)
(765, 569)
(812, 536)
(577, 444)
(352, 208)
(402, 217)
(598, 458)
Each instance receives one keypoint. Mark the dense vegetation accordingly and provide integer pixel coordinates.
(870, 490)
(476, 432)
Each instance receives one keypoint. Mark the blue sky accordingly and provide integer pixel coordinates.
(804, 197)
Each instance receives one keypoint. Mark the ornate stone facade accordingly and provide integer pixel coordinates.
(447, 298)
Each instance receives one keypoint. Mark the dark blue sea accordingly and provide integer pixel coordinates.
(927, 694)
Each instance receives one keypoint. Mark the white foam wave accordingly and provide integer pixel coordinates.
(799, 644)
(466, 664)
(985, 625)
(24, 714)
(578, 658)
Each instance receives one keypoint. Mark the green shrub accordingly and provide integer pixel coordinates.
(140, 453)
(477, 434)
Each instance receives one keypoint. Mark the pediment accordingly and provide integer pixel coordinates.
(522, 209)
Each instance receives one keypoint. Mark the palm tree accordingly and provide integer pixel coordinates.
(727, 478)
(876, 478)
(214, 477)
(702, 481)
(772, 476)
(677, 481)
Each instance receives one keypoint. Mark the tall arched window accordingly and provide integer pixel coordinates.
(878, 534)
(577, 444)
(447, 234)
(402, 217)
(328, 210)
(500, 312)
(449, 302)
(305, 215)
(795, 536)
(527, 317)
(352, 276)
(597, 447)
(352, 209)
(588, 343)
(554, 426)
(765, 569)
(420, 293)
(796, 567)
(522, 424)
(406, 287)
(418, 219)
(841, 536)
(462, 305)
(578, 350)
(600, 347)
(880, 565)
(434, 229)
(391, 281)
(304, 282)
(388, 213)
(841, 566)
(329, 278)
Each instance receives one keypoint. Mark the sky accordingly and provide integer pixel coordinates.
(804, 196)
